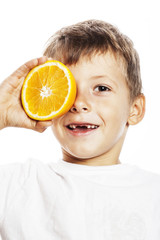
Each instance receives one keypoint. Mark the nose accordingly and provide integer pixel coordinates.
(80, 105)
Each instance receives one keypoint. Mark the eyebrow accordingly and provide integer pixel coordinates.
(103, 76)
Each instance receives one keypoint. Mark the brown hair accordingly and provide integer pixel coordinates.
(96, 37)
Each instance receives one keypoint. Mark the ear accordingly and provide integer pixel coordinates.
(137, 110)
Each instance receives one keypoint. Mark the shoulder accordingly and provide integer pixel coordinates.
(148, 178)
(22, 171)
(18, 169)
(146, 173)
(18, 177)
(13, 176)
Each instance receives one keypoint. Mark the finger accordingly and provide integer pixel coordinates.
(42, 60)
(25, 68)
(40, 130)
(43, 125)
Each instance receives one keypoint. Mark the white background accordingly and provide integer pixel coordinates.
(25, 26)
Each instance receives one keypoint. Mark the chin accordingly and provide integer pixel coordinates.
(80, 154)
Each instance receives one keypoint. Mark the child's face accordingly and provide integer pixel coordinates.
(102, 100)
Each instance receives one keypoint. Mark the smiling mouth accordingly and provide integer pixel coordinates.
(81, 128)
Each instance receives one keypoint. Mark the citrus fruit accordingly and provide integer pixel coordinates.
(48, 91)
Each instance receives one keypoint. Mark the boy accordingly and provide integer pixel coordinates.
(88, 194)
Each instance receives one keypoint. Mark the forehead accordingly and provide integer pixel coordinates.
(109, 65)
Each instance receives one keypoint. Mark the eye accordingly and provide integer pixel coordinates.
(101, 88)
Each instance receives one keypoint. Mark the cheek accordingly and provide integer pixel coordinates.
(113, 115)
(57, 131)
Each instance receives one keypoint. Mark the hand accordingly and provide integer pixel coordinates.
(11, 110)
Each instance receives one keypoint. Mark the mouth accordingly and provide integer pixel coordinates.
(81, 128)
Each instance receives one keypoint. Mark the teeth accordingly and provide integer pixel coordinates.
(87, 126)
(72, 126)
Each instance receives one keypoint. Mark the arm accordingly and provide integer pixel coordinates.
(11, 110)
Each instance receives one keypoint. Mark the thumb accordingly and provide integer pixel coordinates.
(25, 68)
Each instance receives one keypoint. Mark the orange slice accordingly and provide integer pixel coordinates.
(48, 91)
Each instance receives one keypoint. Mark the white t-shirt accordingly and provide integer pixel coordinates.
(65, 201)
